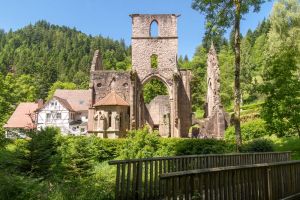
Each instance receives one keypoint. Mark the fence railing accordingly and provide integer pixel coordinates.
(270, 181)
(139, 178)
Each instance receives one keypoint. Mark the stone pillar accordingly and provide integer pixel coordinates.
(132, 117)
(117, 121)
(102, 124)
(91, 115)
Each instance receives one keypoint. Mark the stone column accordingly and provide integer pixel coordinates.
(117, 121)
(101, 124)
(132, 117)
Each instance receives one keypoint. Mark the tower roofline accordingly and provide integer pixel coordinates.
(137, 14)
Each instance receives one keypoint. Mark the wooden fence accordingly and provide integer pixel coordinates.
(259, 181)
(139, 178)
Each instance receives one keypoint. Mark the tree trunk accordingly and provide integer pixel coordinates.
(237, 89)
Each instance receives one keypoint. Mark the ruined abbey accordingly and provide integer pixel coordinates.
(114, 102)
(117, 102)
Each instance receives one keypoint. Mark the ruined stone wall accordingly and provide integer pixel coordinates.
(164, 46)
(184, 102)
(102, 82)
(105, 81)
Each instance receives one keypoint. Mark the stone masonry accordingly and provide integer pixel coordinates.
(216, 119)
(174, 116)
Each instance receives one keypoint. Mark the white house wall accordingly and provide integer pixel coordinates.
(53, 107)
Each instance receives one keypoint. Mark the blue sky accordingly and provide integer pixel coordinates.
(110, 18)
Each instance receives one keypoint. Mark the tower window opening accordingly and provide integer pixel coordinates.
(154, 61)
(154, 29)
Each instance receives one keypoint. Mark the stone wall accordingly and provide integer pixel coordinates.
(158, 114)
(174, 112)
(164, 46)
(105, 81)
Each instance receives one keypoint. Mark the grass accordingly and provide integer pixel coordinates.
(287, 144)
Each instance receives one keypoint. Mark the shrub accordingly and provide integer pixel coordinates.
(250, 130)
(287, 144)
(201, 146)
(43, 151)
(259, 145)
(15, 187)
(140, 144)
(15, 157)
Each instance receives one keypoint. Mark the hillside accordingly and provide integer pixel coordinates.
(50, 53)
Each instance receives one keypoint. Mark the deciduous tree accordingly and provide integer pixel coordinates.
(220, 15)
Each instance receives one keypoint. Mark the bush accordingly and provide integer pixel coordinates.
(258, 145)
(16, 187)
(140, 144)
(43, 151)
(250, 130)
(287, 144)
(201, 146)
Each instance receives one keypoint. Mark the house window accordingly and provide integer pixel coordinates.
(109, 118)
(58, 115)
(48, 116)
(82, 130)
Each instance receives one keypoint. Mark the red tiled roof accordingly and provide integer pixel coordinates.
(23, 116)
(112, 99)
(65, 103)
(77, 99)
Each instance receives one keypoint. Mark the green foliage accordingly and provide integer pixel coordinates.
(198, 83)
(15, 157)
(250, 130)
(220, 15)
(14, 187)
(60, 85)
(154, 88)
(140, 144)
(281, 86)
(51, 53)
(43, 152)
(201, 146)
(258, 145)
(226, 61)
(287, 144)
(13, 90)
(154, 62)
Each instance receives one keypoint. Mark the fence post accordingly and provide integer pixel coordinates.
(269, 182)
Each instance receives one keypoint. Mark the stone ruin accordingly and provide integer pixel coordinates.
(215, 118)
(117, 102)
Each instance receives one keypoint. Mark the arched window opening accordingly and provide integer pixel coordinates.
(154, 61)
(109, 118)
(152, 89)
(154, 29)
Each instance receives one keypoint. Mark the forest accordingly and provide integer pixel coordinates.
(40, 58)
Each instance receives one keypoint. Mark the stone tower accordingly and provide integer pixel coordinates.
(214, 112)
(164, 47)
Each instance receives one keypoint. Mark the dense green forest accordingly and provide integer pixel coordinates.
(39, 58)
